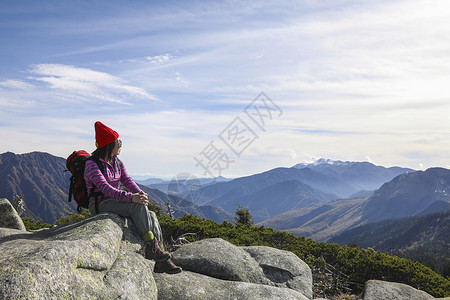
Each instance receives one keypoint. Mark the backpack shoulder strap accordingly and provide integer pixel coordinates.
(91, 192)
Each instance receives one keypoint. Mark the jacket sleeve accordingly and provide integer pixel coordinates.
(127, 181)
(95, 176)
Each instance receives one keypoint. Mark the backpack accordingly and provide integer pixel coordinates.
(75, 165)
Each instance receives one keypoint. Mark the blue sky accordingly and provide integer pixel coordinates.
(348, 80)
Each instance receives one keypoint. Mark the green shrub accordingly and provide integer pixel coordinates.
(73, 217)
(31, 224)
(243, 216)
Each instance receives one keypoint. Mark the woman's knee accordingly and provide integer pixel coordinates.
(136, 208)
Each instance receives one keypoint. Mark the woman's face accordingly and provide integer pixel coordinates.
(117, 147)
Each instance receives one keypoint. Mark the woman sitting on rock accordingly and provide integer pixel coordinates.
(132, 204)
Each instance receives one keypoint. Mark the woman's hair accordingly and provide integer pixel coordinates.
(105, 152)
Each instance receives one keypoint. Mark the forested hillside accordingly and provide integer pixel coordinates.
(425, 239)
(40, 178)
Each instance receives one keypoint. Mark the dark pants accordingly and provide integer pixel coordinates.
(144, 219)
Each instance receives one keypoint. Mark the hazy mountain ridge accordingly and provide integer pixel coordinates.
(286, 195)
(322, 221)
(150, 181)
(180, 206)
(249, 184)
(362, 175)
(162, 184)
(284, 189)
(409, 194)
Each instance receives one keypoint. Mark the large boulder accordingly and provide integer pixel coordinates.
(188, 285)
(219, 259)
(258, 264)
(9, 216)
(82, 260)
(283, 268)
(383, 290)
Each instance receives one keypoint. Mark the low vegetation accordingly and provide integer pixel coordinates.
(31, 225)
(337, 270)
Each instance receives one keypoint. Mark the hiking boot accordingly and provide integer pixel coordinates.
(152, 250)
(166, 266)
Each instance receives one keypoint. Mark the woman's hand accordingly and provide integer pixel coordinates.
(140, 198)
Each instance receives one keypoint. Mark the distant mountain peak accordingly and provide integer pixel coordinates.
(323, 161)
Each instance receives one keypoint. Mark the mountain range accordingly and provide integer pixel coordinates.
(281, 190)
(361, 176)
(184, 179)
(180, 206)
(409, 194)
(306, 199)
(40, 178)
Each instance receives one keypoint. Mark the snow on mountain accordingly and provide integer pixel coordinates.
(323, 161)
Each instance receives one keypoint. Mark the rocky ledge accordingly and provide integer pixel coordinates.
(98, 258)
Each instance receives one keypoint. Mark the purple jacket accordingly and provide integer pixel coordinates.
(108, 184)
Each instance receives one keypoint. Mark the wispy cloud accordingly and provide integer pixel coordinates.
(88, 83)
(15, 84)
(159, 59)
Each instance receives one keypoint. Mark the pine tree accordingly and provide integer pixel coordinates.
(243, 216)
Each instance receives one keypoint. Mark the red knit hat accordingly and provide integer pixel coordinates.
(104, 135)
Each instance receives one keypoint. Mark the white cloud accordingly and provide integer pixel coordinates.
(88, 83)
(159, 59)
(15, 84)
(292, 153)
(153, 60)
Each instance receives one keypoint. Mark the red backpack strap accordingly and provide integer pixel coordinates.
(91, 192)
